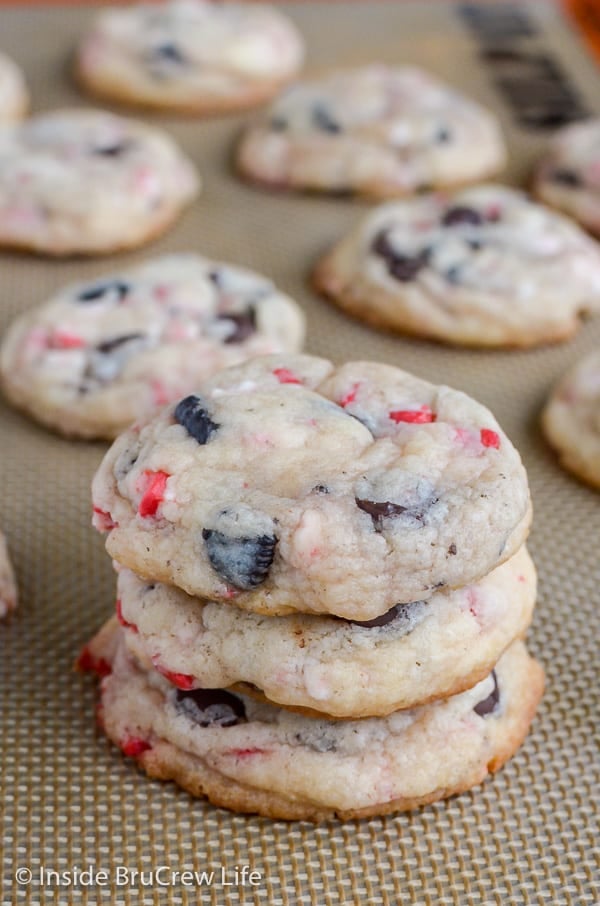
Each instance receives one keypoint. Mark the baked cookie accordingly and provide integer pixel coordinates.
(99, 355)
(288, 484)
(377, 130)
(483, 267)
(189, 55)
(255, 757)
(89, 182)
(8, 587)
(568, 176)
(571, 419)
(414, 654)
(14, 97)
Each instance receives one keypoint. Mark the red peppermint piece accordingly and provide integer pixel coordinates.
(103, 521)
(285, 376)
(86, 661)
(414, 416)
(63, 339)
(489, 438)
(350, 396)
(134, 746)
(181, 680)
(153, 495)
(122, 619)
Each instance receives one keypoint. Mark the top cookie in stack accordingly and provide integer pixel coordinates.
(289, 484)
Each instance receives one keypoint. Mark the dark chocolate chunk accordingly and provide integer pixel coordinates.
(443, 135)
(244, 324)
(100, 290)
(215, 277)
(461, 214)
(406, 268)
(489, 704)
(210, 707)
(244, 562)
(402, 267)
(396, 612)
(321, 489)
(452, 549)
(380, 510)
(567, 178)
(168, 52)
(323, 120)
(115, 150)
(190, 413)
(109, 346)
(452, 275)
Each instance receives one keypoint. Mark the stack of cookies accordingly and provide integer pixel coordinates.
(322, 590)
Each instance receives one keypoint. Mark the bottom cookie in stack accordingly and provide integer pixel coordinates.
(253, 756)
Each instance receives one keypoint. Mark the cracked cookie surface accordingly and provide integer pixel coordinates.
(376, 130)
(89, 182)
(98, 355)
(189, 56)
(482, 267)
(290, 484)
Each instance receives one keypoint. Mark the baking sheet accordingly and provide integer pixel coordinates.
(70, 801)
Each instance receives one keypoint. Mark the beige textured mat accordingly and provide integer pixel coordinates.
(70, 800)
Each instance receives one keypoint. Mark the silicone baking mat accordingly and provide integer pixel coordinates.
(71, 801)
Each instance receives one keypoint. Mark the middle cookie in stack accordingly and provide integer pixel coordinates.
(345, 542)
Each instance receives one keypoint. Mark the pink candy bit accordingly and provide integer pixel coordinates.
(285, 376)
(153, 495)
(121, 618)
(87, 662)
(181, 680)
(350, 396)
(64, 339)
(521, 578)
(492, 212)
(103, 521)
(489, 438)
(160, 396)
(134, 746)
(421, 416)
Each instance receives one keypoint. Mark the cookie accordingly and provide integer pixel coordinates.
(88, 182)
(101, 354)
(483, 267)
(250, 756)
(571, 419)
(189, 56)
(568, 176)
(8, 587)
(413, 654)
(14, 97)
(377, 130)
(289, 484)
